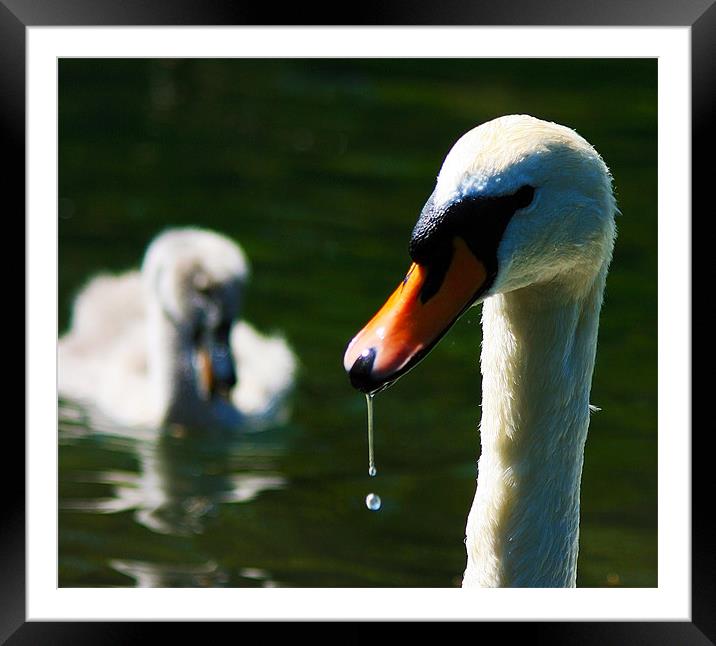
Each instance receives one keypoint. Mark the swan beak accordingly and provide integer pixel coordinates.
(413, 319)
(214, 369)
(204, 373)
(223, 369)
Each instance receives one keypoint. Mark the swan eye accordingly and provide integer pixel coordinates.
(480, 220)
(524, 196)
(205, 293)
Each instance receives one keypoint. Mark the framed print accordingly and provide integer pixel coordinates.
(296, 159)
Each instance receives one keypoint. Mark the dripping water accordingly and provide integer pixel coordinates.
(371, 457)
(372, 501)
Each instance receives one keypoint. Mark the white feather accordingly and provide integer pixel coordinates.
(127, 352)
(540, 321)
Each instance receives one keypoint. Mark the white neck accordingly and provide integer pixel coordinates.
(170, 370)
(538, 352)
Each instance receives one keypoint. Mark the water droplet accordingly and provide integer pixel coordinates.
(373, 502)
(371, 459)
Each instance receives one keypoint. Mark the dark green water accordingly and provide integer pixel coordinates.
(319, 169)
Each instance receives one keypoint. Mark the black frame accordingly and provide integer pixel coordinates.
(16, 15)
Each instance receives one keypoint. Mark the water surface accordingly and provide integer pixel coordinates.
(319, 169)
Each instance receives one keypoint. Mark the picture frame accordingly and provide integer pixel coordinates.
(17, 16)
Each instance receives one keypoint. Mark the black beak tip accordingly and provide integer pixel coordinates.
(225, 384)
(361, 374)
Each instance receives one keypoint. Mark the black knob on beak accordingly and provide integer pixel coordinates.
(230, 380)
(361, 373)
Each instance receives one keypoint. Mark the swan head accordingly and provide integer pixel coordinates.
(195, 278)
(518, 202)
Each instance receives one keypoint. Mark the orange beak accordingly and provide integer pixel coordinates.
(408, 326)
(204, 373)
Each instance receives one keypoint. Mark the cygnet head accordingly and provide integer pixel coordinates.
(518, 201)
(195, 280)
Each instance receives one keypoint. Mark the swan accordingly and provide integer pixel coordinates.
(162, 345)
(521, 220)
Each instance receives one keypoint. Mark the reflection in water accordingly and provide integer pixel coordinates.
(176, 488)
(151, 575)
(207, 575)
(173, 484)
